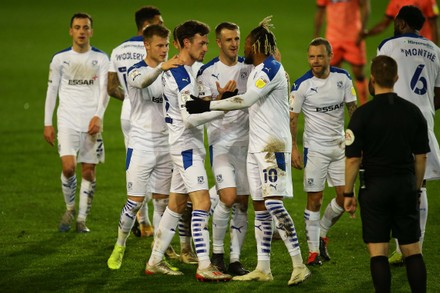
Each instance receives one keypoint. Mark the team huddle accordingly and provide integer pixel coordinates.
(251, 116)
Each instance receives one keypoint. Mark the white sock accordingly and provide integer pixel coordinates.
(68, 187)
(126, 220)
(200, 233)
(86, 194)
(263, 237)
(312, 229)
(213, 196)
(159, 206)
(331, 215)
(238, 229)
(163, 235)
(185, 227)
(144, 218)
(423, 214)
(285, 225)
(220, 221)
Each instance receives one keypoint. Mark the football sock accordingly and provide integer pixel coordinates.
(416, 272)
(362, 89)
(144, 219)
(87, 192)
(423, 215)
(200, 233)
(220, 221)
(380, 273)
(68, 187)
(185, 227)
(164, 235)
(331, 215)
(159, 206)
(126, 220)
(312, 229)
(284, 224)
(263, 237)
(213, 196)
(238, 229)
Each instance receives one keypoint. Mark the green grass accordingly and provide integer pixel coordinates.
(34, 256)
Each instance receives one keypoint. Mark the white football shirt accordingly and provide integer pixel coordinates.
(148, 129)
(80, 82)
(233, 128)
(322, 103)
(122, 58)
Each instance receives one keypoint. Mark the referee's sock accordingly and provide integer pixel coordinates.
(381, 274)
(416, 272)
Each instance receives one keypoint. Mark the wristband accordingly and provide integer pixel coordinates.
(348, 194)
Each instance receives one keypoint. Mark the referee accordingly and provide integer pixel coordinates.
(389, 137)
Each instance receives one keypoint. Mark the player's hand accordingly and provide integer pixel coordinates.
(230, 86)
(350, 205)
(49, 134)
(94, 125)
(227, 95)
(174, 62)
(197, 105)
(297, 162)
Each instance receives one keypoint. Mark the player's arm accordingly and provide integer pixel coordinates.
(351, 107)
(319, 19)
(95, 124)
(297, 162)
(434, 29)
(365, 8)
(379, 27)
(437, 98)
(51, 100)
(196, 119)
(114, 88)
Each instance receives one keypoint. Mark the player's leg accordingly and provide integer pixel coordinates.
(356, 55)
(164, 233)
(361, 83)
(187, 254)
(315, 174)
(68, 146)
(90, 154)
(68, 187)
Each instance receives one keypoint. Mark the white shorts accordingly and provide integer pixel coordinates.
(148, 172)
(229, 167)
(125, 126)
(189, 173)
(87, 148)
(269, 174)
(324, 164)
(432, 171)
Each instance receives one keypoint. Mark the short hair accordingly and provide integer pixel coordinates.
(412, 15)
(81, 15)
(225, 25)
(321, 41)
(262, 38)
(143, 14)
(189, 29)
(155, 30)
(384, 70)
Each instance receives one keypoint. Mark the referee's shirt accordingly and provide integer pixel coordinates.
(386, 132)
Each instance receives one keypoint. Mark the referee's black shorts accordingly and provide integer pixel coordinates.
(390, 204)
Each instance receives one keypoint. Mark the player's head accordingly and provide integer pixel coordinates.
(409, 19)
(81, 29)
(156, 41)
(193, 38)
(260, 40)
(147, 15)
(319, 54)
(383, 72)
(227, 36)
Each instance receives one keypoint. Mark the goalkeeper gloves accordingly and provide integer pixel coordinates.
(197, 105)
